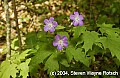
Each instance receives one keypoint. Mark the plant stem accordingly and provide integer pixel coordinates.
(8, 38)
(16, 21)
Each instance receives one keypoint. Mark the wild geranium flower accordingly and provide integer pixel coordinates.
(50, 24)
(77, 19)
(60, 42)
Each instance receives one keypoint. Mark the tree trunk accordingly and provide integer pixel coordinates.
(16, 21)
(8, 38)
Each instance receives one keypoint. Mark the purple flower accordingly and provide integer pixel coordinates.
(60, 42)
(77, 19)
(50, 24)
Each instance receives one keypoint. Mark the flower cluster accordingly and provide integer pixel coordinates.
(62, 41)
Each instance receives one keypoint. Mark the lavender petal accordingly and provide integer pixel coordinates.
(64, 38)
(75, 23)
(52, 29)
(59, 47)
(46, 21)
(76, 13)
(51, 19)
(65, 44)
(72, 17)
(57, 37)
(55, 43)
(46, 28)
(81, 23)
(55, 23)
(81, 17)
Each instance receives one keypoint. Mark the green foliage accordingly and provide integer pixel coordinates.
(89, 38)
(24, 68)
(17, 58)
(112, 43)
(42, 53)
(39, 57)
(78, 55)
(59, 27)
(63, 34)
(78, 31)
(14, 44)
(31, 39)
(52, 63)
(107, 28)
(10, 68)
(7, 69)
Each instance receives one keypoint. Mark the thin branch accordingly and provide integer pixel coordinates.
(8, 38)
(16, 21)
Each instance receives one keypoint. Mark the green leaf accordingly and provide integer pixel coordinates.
(99, 44)
(24, 54)
(7, 70)
(31, 39)
(69, 53)
(77, 54)
(59, 27)
(16, 58)
(102, 19)
(110, 31)
(80, 56)
(45, 50)
(105, 25)
(96, 49)
(24, 68)
(79, 42)
(107, 28)
(15, 44)
(43, 36)
(62, 58)
(112, 43)
(37, 59)
(3, 67)
(64, 62)
(63, 34)
(78, 30)
(89, 38)
(52, 63)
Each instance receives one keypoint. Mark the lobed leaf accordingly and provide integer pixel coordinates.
(78, 55)
(112, 43)
(43, 52)
(89, 38)
(7, 70)
(24, 68)
(52, 63)
(78, 30)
